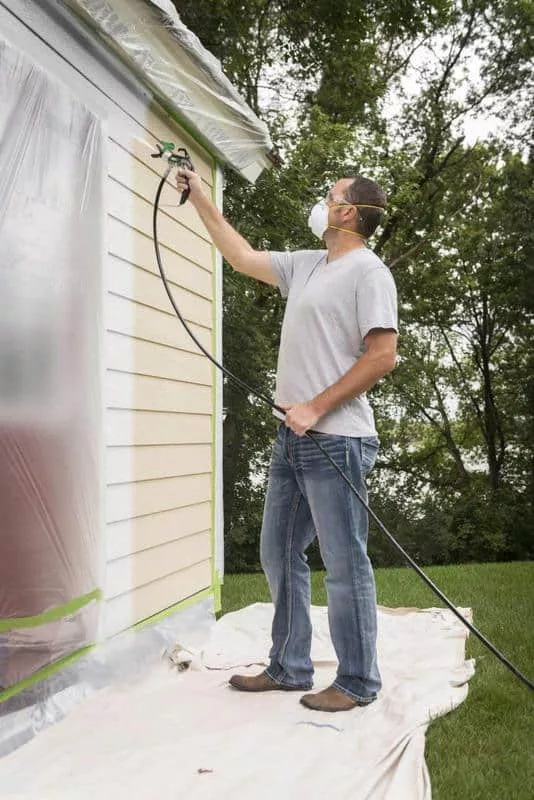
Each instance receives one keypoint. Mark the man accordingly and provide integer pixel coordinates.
(338, 339)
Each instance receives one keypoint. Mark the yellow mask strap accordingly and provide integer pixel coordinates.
(346, 230)
(357, 205)
(353, 205)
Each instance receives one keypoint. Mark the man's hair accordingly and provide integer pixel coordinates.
(363, 190)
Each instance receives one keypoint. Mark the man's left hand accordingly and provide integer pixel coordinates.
(300, 417)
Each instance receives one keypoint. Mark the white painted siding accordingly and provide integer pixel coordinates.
(144, 599)
(159, 389)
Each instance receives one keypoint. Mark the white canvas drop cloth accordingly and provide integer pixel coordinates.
(189, 735)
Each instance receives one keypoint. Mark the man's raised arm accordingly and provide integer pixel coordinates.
(236, 250)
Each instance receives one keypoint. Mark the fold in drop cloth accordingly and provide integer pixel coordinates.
(188, 734)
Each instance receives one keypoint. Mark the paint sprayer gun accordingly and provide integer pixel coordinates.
(178, 158)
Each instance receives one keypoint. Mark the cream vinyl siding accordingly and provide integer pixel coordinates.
(158, 388)
(160, 427)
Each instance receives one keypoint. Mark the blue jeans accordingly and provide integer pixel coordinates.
(306, 498)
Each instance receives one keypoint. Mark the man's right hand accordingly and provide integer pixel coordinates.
(185, 178)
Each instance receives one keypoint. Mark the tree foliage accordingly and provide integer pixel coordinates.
(393, 92)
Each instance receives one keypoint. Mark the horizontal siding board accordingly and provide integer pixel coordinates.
(147, 358)
(138, 569)
(125, 427)
(144, 287)
(143, 393)
(138, 248)
(129, 464)
(141, 178)
(140, 533)
(144, 322)
(132, 607)
(135, 211)
(158, 393)
(127, 500)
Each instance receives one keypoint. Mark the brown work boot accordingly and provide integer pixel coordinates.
(260, 683)
(331, 699)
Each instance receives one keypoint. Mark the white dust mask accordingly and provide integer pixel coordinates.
(318, 219)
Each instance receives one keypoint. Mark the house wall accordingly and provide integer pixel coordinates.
(162, 404)
(159, 390)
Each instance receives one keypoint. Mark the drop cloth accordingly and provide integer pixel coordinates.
(187, 734)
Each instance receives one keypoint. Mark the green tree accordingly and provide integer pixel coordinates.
(464, 428)
(388, 92)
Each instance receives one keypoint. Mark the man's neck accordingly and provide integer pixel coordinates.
(338, 244)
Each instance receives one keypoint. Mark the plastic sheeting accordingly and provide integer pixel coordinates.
(188, 734)
(51, 248)
(119, 662)
(161, 49)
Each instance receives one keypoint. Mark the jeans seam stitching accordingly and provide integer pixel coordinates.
(353, 528)
(289, 593)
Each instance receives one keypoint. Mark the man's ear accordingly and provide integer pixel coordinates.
(351, 213)
(355, 217)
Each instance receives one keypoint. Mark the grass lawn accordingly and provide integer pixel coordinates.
(485, 748)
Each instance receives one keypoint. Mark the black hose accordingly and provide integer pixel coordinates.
(250, 390)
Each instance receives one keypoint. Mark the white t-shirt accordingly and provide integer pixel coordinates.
(331, 307)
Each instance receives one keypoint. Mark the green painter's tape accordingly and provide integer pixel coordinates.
(52, 615)
(214, 576)
(217, 592)
(51, 669)
(43, 673)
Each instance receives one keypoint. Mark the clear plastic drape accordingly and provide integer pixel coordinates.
(51, 243)
(157, 45)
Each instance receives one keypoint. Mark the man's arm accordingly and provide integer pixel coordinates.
(236, 250)
(377, 360)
